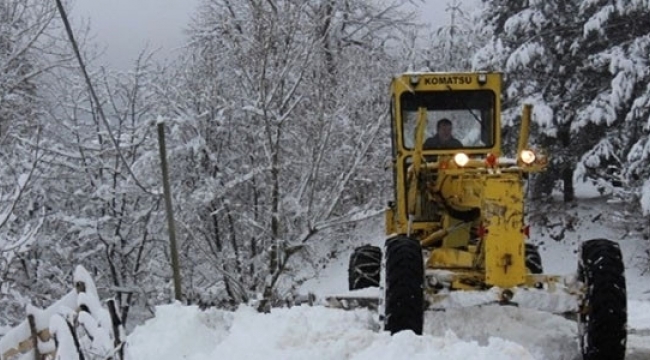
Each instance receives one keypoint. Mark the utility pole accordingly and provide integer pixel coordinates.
(173, 250)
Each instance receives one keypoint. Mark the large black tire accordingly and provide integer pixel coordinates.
(602, 317)
(533, 259)
(404, 293)
(364, 268)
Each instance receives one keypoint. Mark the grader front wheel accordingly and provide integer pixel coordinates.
(404, 293)
(603, 311)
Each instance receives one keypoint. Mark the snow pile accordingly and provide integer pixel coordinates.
(471, 332)
(81, 312)
(182, 332)
(544, 335)
(638, 316)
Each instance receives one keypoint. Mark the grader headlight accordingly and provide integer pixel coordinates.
(527, 156)
(461, 159)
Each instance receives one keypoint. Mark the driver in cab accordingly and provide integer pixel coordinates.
(443, 138)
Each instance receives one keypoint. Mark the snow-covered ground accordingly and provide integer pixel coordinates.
(486, 332)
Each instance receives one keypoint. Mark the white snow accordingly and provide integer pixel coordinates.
(524, 22)
(477, 331)
(596, 22)
(638, 314)
(42, 319)
(543, 115)
(645, 198)
(525, 55)
(298, 333)
(96, 338)
(474, 332)
(66, 347)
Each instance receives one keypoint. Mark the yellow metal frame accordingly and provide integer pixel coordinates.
(486, 250)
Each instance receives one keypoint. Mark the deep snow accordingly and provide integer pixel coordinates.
(179, 332)
(485, 332)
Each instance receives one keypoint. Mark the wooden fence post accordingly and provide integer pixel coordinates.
(117, 326)
(34, 331)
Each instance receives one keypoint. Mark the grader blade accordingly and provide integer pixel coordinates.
(366, 298)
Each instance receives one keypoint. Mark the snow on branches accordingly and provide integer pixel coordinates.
(75, 327)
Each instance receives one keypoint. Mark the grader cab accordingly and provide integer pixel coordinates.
(457, 221)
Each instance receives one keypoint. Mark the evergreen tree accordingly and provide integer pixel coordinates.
(584, 65)
(616, 35)
(545, 66)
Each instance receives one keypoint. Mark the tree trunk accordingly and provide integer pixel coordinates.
(567, 179)
(566, 170)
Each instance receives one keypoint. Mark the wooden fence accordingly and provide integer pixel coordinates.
(76, 327)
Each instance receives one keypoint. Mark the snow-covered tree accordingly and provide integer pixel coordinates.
(617, 37)
(29, 49)
(535, 45)
(108, 207)
(276, 123)
(584, 65)
(98, 196)
(451, 47)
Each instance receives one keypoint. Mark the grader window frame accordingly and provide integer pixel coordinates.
(463, 107)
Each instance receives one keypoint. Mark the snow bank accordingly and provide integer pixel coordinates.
(638, 314)
(185, 332)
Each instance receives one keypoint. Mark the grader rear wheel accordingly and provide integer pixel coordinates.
(364, 268)
(533, 259)
(602, 317)
(404, 293)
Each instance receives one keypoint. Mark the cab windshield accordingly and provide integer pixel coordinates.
(455, 119)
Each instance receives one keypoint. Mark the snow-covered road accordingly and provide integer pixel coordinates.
(319, 333)
(486, 332)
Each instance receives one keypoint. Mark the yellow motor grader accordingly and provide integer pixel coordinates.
(456, 223)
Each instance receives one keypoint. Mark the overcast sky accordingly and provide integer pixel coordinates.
(124, 27)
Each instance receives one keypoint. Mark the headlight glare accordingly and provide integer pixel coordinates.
(527, 156)
(461, 159)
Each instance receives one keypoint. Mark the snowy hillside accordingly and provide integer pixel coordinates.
(487, 332)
